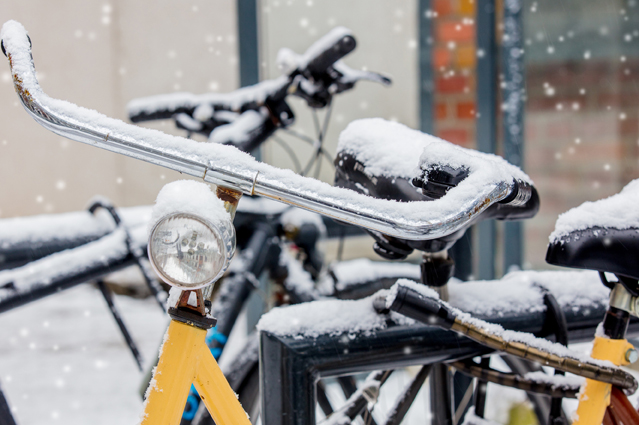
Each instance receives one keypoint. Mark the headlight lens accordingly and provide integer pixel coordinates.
(189, 252)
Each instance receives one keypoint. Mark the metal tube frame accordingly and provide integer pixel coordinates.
(290, 366)
(224, 166)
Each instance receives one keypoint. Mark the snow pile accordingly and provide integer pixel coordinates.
(47, 227)
(241, 130)
(391, 149)
(257, 93)
(507, 335)
(362, 270)
(191, 197)
(327, 317)
(556, 381)
(298, 281)
(289, 61)
(68, 226)
(619, 211)
(62, 264)
(295, 218)
(520, 292)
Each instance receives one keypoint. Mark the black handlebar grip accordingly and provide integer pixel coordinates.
(430, 311)
(328, 57)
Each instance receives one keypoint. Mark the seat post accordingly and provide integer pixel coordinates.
(436, 270)
(610, 344)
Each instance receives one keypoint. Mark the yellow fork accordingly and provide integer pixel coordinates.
(185, 359)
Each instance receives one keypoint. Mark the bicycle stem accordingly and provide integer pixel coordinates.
(222, 166)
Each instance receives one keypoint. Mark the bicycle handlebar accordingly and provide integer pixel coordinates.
(229, 168)
(314, 76)
(312, 64)
(326, 51)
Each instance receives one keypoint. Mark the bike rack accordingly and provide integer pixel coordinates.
(291, 366)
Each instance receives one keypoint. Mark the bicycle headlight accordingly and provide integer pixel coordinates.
(189, 248)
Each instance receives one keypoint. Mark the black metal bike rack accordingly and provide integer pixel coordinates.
(290, 366)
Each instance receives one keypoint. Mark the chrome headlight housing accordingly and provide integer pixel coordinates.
(190, 252)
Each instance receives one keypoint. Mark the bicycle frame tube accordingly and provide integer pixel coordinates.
(594, 397)
(611, 345)
(186, 359)
(226, 167)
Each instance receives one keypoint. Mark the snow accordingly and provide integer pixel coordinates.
(187, 122)
(233, 101)
(174, 296)
(67, 226)
(194, 158)
(368, 390)
(84, 225)
(259, 205)
(520, 292)
(288, 61)
(472, 419)
(295, 218)
(327, 317)
(190, 197)
(63, 359)
(362, 270)
(557, 381)
(351, 76)
(240, 130)
(424, 290)
(615, 212)
(494, 329)
(65, 263)
(298, 281)
(392, 149)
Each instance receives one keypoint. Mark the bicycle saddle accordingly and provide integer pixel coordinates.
(601, 235)
(390, 161)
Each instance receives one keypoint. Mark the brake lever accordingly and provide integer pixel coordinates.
(351, 76)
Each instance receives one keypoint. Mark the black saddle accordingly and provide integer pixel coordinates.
(597, 246)
(351, 172)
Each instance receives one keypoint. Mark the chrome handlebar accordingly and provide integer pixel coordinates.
(227, 167)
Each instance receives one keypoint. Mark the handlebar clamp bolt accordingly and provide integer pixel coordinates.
(632, 355)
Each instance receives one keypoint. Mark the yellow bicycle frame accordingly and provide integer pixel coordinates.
(594, 397)
(185, 359)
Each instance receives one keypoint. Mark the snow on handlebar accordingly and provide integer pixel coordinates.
(227, 167)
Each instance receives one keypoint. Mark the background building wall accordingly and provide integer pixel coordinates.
(582, 58)
(101, 54)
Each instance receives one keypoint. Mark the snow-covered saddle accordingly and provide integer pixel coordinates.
(388, 160)
(601, 235)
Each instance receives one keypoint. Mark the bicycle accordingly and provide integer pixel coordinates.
(321, 74)
(329, 78)
(591, 246)
(235, 174)
(247, 117)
